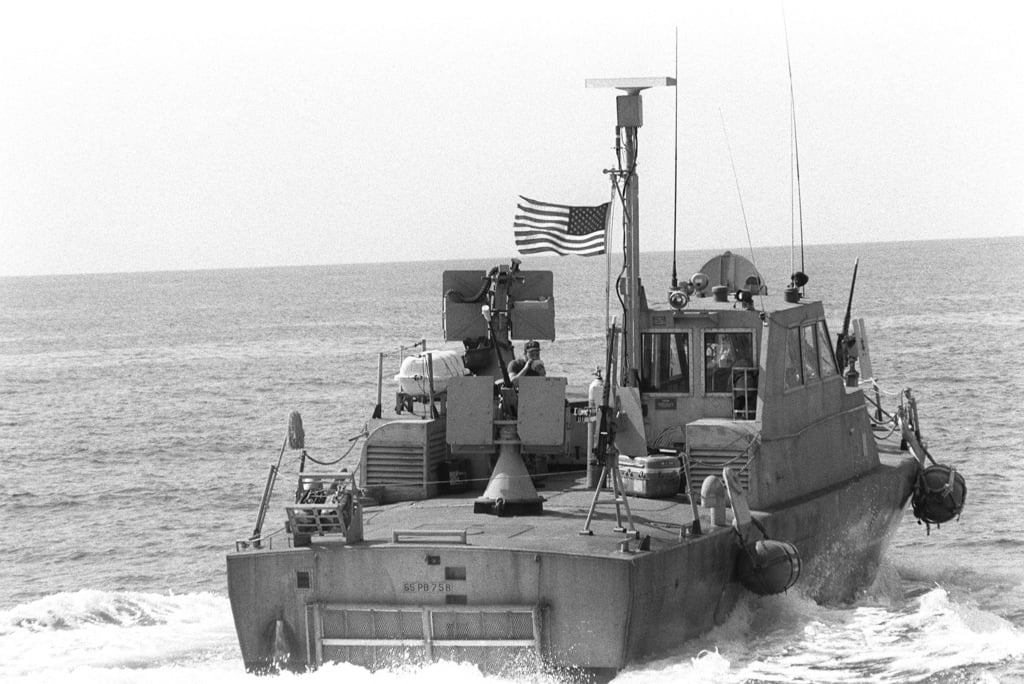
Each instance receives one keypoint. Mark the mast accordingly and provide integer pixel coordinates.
(629, 108)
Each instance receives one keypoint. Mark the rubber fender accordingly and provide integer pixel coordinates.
(939, 494)
(769, 567)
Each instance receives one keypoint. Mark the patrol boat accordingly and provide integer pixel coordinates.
(510, 523)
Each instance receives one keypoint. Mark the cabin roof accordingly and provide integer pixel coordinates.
(769, 303)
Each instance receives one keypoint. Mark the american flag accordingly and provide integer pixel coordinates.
(542, 227)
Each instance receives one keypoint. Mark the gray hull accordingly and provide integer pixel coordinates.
(533, 588)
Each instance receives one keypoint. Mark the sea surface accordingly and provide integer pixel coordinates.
(140, 413)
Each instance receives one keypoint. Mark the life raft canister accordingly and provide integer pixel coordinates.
(768, 566)
(939, 494)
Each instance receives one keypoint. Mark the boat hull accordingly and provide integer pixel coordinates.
(591, 602)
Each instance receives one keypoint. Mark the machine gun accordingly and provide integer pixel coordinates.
(844, 340)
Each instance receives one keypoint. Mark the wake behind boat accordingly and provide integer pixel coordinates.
(500, 518)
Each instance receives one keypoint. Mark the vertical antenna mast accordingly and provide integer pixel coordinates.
(629, 111)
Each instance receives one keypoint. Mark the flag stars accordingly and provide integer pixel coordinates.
(584, 220)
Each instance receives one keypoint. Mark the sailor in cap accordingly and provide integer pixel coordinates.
(528, 364)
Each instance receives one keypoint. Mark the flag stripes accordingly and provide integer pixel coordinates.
(542, 227)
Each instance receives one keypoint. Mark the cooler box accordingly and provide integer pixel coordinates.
(650, 476)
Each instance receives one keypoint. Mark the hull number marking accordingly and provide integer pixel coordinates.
(427, 587)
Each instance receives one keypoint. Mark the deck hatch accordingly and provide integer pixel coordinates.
(366, 635)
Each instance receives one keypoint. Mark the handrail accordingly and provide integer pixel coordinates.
(434, 536)
(263, 541)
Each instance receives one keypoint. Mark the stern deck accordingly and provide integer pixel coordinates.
(566, 503)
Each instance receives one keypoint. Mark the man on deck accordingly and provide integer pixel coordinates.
(529, 364)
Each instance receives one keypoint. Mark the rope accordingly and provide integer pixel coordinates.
(878, 406)
(666, 433)
(888, 393)
(262, 538)
(750, 447)
(878, 427)
(403, 349)
(627, 174)
(353, 440)
(891, 421)
(620, 191)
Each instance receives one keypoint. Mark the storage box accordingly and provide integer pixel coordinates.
(650, 476)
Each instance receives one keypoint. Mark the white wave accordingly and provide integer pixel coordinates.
(155, 638)
(930, 636)
(71, 610)
(706, 667)
(789, 638)
(230, 671)
(67, 635)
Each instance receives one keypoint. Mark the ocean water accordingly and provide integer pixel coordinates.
(139, 414)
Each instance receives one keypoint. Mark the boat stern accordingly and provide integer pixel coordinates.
(384, 604)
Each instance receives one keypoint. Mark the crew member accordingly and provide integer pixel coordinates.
(528, 364)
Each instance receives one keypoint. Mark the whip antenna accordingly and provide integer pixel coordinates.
(796, 145)
(739, 194)
(675, 171)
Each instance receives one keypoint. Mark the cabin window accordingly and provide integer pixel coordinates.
(725, 353)
(794, 367)
(828, 360)
(665, 362)
(809, 353)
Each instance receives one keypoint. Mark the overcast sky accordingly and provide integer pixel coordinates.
(156, 135)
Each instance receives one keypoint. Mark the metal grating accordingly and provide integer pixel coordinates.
(369, 635)
(389, 463)
(382, 624)
(514, 625)
(704, 463)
